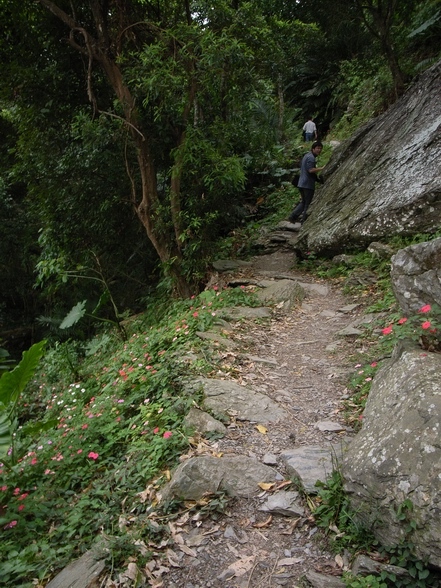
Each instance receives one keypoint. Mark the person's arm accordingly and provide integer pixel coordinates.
(315, 170)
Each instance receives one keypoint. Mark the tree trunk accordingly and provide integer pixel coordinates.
(97, 49)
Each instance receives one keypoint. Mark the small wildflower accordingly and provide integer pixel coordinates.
(167, 434)
(156, 430)
(10, 525)
(387, 330)
(374, 364)
(426, 325)
(93, 455)
(425, 308)
(402, 320)
(21, 507)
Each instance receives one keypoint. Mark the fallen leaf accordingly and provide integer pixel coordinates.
(292, 526)
(173, 558)
(242, 566)
(339, 560)
(266, 485)
(263, 523)
(283, 484)
(262, 429)
(187, 550)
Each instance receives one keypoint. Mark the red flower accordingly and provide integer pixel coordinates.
(426, 325)
(374, 364)
(387, 330)
(402, 320)
(93, 455)
(156, 430)
(167, 434)
(425, 308)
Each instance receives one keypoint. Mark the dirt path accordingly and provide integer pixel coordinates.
(305, 372)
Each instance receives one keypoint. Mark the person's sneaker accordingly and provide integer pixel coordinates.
(293, 219)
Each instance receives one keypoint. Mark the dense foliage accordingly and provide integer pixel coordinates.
(137, 133)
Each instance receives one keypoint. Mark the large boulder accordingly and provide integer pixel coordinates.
(416, 276)
(397, 455)
(385, 180)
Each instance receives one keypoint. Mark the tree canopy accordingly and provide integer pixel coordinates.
(132, 128)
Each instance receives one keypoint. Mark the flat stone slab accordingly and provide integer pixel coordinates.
(236, 475)
(316, 580)
(226, 398)
(320, 289)
(349, 331)
(202, 422)
(245, 312)
(81, 573)
(312, 463)
(284, 503)
(216, 338)
(225, 265)
(287, 292)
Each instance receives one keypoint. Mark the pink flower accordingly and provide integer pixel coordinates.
(23, 496)
(426, 325)
(402, 320)
(84, 426)
(10, 525)
(3, 488)
(33, 461)
(374, 364)
(425, 308)
(367, 379)
(21, 507)
(195, 314)
(387, 330)
(93, 455)
(167, 434)
(16, 491)
(156, 430)
(80, 451)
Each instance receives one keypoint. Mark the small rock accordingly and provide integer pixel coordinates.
(269, 459)
(284, 503)
(330, 426)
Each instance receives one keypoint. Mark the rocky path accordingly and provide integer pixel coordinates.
(300, 360)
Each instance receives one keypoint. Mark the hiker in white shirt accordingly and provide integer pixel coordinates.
(310, 130)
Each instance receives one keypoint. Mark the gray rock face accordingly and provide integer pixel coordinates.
(416, 275)
(237, 476)
(386, 179)
(224, 397)
(397, 455)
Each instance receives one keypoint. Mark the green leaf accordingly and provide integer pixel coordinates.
(13, 383)
(5, 433)
(34, 428)
(76, 313)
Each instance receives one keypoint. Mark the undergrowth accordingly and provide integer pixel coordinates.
(119, 409)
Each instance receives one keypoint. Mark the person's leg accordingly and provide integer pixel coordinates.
(309, 137)
(295, 214)
(307, 196)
